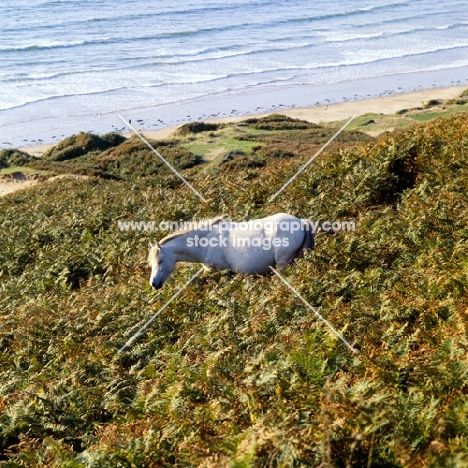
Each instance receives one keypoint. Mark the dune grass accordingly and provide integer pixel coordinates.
(244, 136)
(237, 372)
(374, 124)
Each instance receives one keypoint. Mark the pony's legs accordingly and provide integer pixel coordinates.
(282, 260)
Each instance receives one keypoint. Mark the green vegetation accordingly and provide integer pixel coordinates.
(236, 371)
(81, 144)
(197, 127)
(431, 103)
(13, 157)
(460, 101)
(208, 147)
(129, 160)
(24, 169)
(279, 122)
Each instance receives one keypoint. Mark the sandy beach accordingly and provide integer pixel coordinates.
(316, 114)
(344, 110)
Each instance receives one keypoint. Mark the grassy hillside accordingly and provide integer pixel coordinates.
(237, 372)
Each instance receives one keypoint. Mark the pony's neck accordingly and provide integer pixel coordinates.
(182, 252)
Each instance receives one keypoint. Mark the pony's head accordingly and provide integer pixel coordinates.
(162, 265)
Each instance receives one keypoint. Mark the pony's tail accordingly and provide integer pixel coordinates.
(308, 241)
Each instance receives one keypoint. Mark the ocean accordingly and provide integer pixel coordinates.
(70, 65)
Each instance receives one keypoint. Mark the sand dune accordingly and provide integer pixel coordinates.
(16, 181)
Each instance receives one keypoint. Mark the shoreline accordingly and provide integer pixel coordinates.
(386, 104)
(58, 122)
(319, 114)
(344, 110)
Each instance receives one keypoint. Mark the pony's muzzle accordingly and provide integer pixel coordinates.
(156, 284)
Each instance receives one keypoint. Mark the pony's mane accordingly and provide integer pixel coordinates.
(152, 257)
(188, 229)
